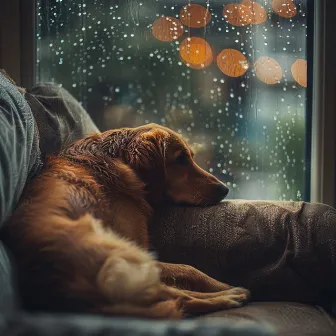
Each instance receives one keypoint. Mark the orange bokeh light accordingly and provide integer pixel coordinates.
(259, 14)
(268, 70)
(237, 14)
(195, 16)
(284, 8)
(196, 52)
(299, 71)
(167, 29)
(232, 62)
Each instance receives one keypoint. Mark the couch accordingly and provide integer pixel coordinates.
(285, 252)
(282, 251)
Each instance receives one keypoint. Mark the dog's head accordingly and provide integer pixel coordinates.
(165, 162)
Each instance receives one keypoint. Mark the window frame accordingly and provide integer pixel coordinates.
(17, 34)
(322, 73)
(18, 27)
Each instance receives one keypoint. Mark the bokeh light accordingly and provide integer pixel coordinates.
(237, 14)
(284, 8)
(268, 70)
(232, 62)
(299, 71)
(167, 29)
(259, 14)
(195, 16)
(196, 52)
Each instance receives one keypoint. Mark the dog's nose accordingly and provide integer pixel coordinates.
(221, 190)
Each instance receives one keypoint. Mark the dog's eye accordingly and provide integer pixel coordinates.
(182, 159)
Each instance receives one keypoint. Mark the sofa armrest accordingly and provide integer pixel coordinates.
(281, 251)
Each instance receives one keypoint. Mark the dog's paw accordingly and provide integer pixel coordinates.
(237, 297)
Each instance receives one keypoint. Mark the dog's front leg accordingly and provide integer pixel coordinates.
(200, 293)
(190, 278)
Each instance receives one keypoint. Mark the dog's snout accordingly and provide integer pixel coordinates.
(221, 190)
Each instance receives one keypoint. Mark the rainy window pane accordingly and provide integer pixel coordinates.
(230, 76)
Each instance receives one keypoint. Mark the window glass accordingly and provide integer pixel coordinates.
(230, 76)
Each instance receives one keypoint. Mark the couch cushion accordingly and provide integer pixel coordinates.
(288, 319)
(281, 251)
(60, 117)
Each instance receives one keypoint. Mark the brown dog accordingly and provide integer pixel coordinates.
(80, 235)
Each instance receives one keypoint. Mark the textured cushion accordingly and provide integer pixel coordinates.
(60, 117)
(287, 319)
(280, 250)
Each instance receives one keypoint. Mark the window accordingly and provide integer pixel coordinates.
(230, 76)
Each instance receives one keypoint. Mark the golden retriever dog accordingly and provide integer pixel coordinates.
(79, 234)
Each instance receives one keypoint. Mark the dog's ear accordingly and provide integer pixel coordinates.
(146, 154)
(147, 150)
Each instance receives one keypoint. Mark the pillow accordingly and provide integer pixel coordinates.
(60, 117)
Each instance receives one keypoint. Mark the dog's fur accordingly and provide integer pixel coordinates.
(79, 234)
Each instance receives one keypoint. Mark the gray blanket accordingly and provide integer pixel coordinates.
(279, 250)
